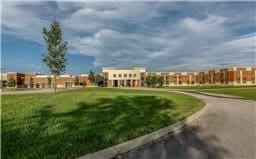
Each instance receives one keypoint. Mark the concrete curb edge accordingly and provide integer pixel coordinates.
(145, 139)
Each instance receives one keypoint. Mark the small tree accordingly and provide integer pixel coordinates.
(159, 81)
(166, 80)
(11, 82)
(222, 77)
(31, 82)
(91, 77)
(56, 48)
(150, 81)
(49, 81)
(98, 80)
(76, 81)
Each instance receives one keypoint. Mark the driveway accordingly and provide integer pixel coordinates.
(226, 130)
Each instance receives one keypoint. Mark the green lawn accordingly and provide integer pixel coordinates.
(248, 93)
(74, 123)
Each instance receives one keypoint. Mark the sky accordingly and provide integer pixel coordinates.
(162, 36)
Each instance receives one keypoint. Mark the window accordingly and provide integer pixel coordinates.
(114, 75)
(125, 75)
(134, 75)
(244, 80)
(130, 75)
(119, 75)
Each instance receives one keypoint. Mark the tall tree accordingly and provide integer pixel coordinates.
(56, 50)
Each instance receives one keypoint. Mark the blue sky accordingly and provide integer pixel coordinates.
(162, 36)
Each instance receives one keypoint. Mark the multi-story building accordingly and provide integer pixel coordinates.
(126, 77)
(228, 76)
(135, 77)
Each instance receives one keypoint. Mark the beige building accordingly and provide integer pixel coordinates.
(126, 77)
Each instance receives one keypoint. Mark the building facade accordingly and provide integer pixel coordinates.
(135, 77)
(30, 80)
(227, 76)
(127, 77)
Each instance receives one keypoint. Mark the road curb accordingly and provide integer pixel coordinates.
(145, 139)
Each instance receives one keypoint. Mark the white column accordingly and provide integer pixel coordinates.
(125, 83)
(241, 77)
(177, 79)
(190, 79)
(165, 80)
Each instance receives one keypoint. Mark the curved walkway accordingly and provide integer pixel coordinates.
(226, 130)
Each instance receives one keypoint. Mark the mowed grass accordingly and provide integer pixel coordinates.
(248, 93)
(73, 123)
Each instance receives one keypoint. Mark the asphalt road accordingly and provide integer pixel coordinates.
(226, 130)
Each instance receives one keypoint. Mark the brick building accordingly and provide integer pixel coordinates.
(135, 77)
(227, 76)
(29, 80)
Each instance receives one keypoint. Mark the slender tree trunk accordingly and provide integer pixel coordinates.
(55, 83)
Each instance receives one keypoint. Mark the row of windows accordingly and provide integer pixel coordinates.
(124, 75)
(188, 82)
(245, 80)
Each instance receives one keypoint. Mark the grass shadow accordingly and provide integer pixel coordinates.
(87, 128)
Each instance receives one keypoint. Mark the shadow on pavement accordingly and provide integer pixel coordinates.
(184, 145)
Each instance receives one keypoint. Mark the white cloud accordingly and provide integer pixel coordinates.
(140, 34)
(21, 22)
(34, 66)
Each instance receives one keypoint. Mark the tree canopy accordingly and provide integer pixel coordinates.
(56, 49)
